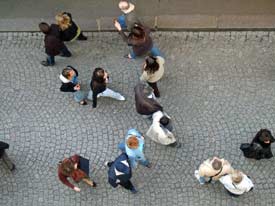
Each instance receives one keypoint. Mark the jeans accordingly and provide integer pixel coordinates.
(50, 60)
(154, 52)
(121, 20)
(79, 96)
(107, 93)
(133, 160)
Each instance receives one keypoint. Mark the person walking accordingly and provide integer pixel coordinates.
(129, 16)
(145, 101)
(77, 168)
(70, 83)
(260, 147)
(213, 169)
(100, 79)
(236, 183)
(120, 173)
(152, 72)
(133, 145)
(53, 44)
(139, 39)
(70, 31)
(4, 156)
(161, 130)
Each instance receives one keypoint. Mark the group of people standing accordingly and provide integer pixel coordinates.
(146, 94)
(146, 91)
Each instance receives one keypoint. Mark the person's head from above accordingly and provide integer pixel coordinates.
(216, 163)
(68, 72)
(100, 75)
(44, 27)
(67, 167)
(63, 21)
(125, 6)
(265, 136)
(137, 31)
(151, 65)
(132, 142)
(164, 120)
(236, 176)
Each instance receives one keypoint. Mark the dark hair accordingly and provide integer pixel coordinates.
(44, 27)
(151, 64)
(137, 31)
(98, 75)
(164, 120)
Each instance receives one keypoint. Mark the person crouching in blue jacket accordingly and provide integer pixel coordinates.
(133, 146)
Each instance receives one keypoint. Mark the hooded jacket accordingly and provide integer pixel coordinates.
(145, 105)
(156, 76)
(67, 85)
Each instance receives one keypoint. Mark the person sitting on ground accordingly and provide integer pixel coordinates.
(212, 169)
(152, 72)
(120, 173)
(236, 183)
(99, 88)
(133, 146)
(69, 30)
(145, 105)
(4, 156)
(129, 16)
(69, 79)
(70, 167)
(260, 147)
(53, 44)
(161, 130)
(140, 41)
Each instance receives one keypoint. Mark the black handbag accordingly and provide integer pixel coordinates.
(84, 165)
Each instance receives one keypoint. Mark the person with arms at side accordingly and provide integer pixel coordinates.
(53, 44)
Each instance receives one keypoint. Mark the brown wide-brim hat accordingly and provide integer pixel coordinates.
(131, 8)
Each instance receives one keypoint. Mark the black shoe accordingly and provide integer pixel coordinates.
(46, 63)
(175, 145)
(81, 37)
(63, 55)
(133, 190)
(94, 184)
(83, 102)
(13, 167)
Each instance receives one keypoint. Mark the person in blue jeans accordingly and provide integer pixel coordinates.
(70, 83)
(129, 16)
(133, 147)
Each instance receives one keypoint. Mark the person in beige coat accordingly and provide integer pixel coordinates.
(160, 130)
(152, 72)
(213, 169)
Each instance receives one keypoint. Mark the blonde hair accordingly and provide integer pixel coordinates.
(132, 142)
(63, 21)
(236, 176)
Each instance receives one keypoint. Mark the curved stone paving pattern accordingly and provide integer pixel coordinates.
(218, 87)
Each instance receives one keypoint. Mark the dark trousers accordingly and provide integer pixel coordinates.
(127, 185)
(7, 160)
(64, 52)
(155, 88)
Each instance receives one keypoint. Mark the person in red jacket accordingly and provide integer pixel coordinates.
(70, 167)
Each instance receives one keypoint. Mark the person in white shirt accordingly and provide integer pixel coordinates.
(236, 183)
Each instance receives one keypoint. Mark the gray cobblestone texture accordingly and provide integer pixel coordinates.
(219, 89)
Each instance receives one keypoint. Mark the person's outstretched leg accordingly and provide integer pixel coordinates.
(110, 93)
(155, 88)
(155, 51)
(65, 52)
(88, 181)
(129, 186)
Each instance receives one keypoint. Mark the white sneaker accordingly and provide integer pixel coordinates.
(198, 177)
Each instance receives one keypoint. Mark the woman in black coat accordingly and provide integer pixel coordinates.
(69, 29)
(259, 148)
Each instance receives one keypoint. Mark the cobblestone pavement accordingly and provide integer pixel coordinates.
(218, 87)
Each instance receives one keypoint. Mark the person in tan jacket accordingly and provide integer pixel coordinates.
(213, 169)
(153, 70)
